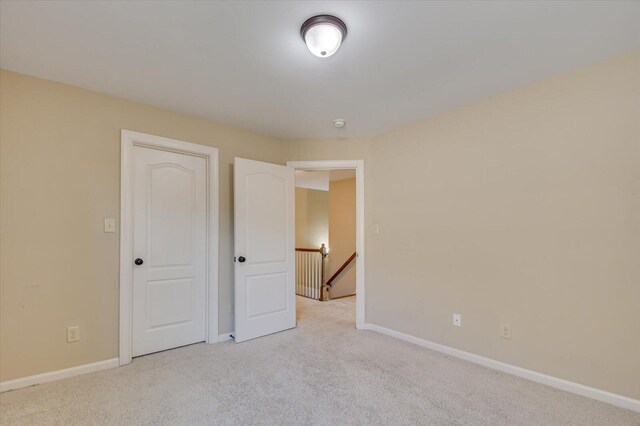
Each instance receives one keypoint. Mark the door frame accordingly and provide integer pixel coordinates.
(128, 140)
(358, 165)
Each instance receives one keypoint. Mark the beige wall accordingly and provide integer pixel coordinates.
(342, 234)
(524, 207)
(312, 218)
(60, 177)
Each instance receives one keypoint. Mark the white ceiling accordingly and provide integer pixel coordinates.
(319, 179)
(244, 63)
(313, 179)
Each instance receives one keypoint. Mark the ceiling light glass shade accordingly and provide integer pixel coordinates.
(323, 40)
(323, 34)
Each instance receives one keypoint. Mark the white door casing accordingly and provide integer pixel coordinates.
(358, 166)
(169, 219)
(170, 241)
(264, 249)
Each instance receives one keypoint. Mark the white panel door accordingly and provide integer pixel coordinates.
(265, 300)
(170, 249)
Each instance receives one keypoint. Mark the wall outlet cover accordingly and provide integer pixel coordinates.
(505, 330)
(457, 320)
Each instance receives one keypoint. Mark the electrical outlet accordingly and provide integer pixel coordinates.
(457, 320)
(505, 330)
(73, 334)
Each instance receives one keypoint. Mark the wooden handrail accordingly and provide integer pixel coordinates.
(309, 250)
(344, 265)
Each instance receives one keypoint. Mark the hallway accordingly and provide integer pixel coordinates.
(324, 372)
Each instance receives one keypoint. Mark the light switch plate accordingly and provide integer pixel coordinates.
(109, 225)
(73, 334)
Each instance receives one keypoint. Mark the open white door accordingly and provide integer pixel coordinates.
(265, 300)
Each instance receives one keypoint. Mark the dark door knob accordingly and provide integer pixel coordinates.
(138, 261)
(241, 259)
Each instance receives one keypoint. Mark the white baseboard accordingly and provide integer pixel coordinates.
(58, 374)
(589, 392)
(224, 337)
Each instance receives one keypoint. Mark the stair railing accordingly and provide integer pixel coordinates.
(329, 282)
(310, 271)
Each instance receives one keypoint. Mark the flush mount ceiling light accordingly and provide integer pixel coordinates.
(323, 34)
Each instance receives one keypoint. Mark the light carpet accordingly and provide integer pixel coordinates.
(324, 372)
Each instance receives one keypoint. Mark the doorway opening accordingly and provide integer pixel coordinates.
(329, 231)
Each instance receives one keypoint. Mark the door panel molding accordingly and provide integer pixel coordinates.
(128, 140)
(264, 224)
